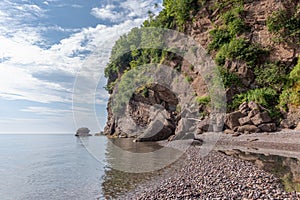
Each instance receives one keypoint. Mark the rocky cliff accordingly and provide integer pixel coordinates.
(255, 44)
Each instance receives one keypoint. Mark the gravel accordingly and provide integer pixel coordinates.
(215, 176)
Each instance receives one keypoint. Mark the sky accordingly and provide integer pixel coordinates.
(52, 58)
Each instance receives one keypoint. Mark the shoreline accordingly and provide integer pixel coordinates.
(221, 176)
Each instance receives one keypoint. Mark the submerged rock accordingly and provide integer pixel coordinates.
(82, 132)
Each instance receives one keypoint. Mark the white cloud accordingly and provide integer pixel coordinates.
(59, 28)
(138, 8)
(26, 59)
(76, 6)
(129, 9)
(107, 13)
(22, 59)
(47, 111)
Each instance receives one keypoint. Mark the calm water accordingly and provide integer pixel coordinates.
(48, 167)
(36, 167)
(59, 167)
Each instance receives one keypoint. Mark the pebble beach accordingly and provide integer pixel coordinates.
(215, 176)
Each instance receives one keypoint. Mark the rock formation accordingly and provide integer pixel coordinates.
(83, 132)
(250, 118)
(237, 35)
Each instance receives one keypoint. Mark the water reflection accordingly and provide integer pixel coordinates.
(285, 168)
(117, 182)
(126, 155)
(135, 147)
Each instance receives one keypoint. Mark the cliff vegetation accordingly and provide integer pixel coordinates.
(255, 44)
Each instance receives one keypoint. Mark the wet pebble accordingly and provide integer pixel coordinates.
(215, 176)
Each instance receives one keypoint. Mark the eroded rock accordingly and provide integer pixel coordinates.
(269, 127)
(83, 132)
(248, 129)
(245, 120)
(232, 119)
(261, 118)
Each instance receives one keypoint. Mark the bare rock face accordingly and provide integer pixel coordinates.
(298, 127)
(203, 126)
(232, 119)
(246, 75)
(230, 92)
(157, 130)
(185, 125)
(245, 120)
(292, 119)
(261, 118)
(82, 132)
(244, 108)
(229, 131)
(253, 106)
(154, 111)
(252, 113)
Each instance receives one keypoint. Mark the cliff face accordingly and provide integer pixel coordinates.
(256, 45)
(139, 109)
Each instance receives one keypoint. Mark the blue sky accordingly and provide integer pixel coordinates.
(52, 57)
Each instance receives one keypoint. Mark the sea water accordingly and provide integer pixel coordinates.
(63, 167)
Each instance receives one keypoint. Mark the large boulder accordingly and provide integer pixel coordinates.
(292, 118)
(253, 106)
(261, 118)
(252, 113)
(161, 127)
(269, 127)
(232, 119)
(286, 123)
(203, 126)
(244, 108)
(245, 120)
(157, 130)
(186, 125)
(248, 129)
(83, 132)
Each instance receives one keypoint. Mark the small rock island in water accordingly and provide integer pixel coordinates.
(83, 132)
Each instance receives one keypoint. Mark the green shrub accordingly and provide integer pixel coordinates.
(270, 75)
(286, 24)
(204, 100)
(236, 27)
(295, 73)
(222, 55)
(266, 97)
(143, 90)
(180, 10)
(291, 94)
(233, 21)
(221, 4)
(188, 79)
(240, 49)
(219, 38)
(233, 25)
(228, 77)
